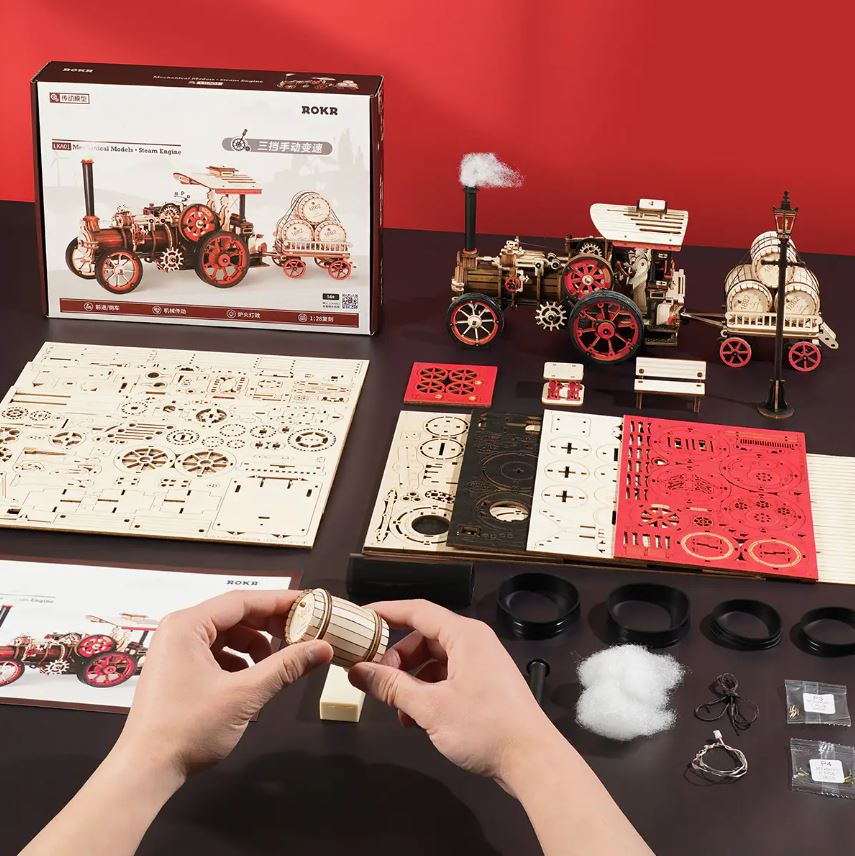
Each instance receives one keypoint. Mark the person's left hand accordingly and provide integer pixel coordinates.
(195, 697)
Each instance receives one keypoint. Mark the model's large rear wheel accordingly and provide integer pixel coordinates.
(222, 259)
(108, 670)
(474, 319)
(607, 327)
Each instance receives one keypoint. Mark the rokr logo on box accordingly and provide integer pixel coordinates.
(319, 111)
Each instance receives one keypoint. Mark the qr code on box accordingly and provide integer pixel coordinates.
(350, 301)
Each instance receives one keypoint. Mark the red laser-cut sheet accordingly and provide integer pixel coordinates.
(715, 497)
(449, 383)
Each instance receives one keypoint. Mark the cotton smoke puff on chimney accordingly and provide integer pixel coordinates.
(484, 169)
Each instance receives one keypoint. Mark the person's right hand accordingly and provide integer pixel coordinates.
(466, 691)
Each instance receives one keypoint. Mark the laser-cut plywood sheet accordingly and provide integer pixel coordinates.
(492, 507)
(451, 384)
(575, 488)
(416, 494)
(715, 497)
(174, 444)
(832, 487)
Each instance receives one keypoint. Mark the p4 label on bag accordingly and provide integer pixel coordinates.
(826, 770)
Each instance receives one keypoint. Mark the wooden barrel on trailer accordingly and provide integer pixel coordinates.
(801, 296)
(313, 207)
(330, 232)
(743, 292)
(294, 229)
(765, 252)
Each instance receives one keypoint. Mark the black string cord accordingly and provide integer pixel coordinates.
(741, 712)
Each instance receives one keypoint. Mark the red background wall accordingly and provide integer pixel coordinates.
(592, 100)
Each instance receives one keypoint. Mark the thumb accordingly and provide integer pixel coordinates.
(286, 666)
(391, 686)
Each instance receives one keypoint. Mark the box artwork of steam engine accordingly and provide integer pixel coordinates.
(249, 202)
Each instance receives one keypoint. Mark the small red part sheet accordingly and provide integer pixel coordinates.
(715, 497)
(452, 384)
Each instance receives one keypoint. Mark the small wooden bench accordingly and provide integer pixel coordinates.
(670, 377)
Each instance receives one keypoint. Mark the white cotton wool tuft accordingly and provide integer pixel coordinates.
(625, 692)
(484, 169)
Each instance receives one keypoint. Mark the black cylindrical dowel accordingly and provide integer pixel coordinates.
(537, 671)
(88, 188)
(471, 204)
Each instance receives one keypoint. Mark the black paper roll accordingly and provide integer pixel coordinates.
(371, 578)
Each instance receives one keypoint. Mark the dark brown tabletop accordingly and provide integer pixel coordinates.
(296, 785)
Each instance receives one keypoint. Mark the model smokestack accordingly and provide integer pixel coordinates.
(4, 611)
(88, 188)
(482, 169)
(471, 206)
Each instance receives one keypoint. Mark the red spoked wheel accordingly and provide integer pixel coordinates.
(804, 356)
(430, 387)
(79, 260)
(513, 285)
(119, 271)
(10, 671)
(222, 259)
(293, 267)
(339, 269)
(460, 387)
(474, 319)
(108, 670)
(735, 352)
(197, 221)
(607, 326)
(585, 274)
(89, 646)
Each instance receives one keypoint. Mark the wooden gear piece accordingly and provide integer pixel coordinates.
(356, 634)
(715, 497)
(451, 384)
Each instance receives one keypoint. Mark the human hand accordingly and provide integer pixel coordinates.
(466, 691)
(195, 697)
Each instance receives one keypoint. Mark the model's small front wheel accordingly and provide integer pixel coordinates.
(80, 261)
(474, 319)
(339, 268)
(606, 326)
(735, 352)
(119, 271)
(10, 671)
(222, 259)
(804, 356)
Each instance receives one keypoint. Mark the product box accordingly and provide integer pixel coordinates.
(208, 196)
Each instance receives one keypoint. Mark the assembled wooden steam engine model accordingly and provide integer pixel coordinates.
(98, 660)
(613, 290)
(219, 243)
(751, 308)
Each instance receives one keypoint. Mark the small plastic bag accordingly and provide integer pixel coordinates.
(827, 769)
(812, 703)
